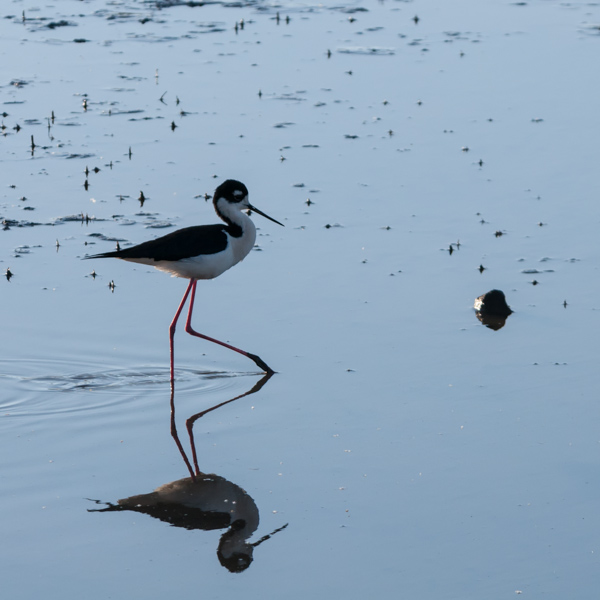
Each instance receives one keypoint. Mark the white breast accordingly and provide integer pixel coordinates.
(209, 266)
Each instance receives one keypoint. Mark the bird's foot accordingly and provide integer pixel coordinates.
(261, 363)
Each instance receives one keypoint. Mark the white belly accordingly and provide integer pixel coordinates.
(208, 266)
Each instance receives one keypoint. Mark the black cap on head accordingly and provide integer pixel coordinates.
(232, 190)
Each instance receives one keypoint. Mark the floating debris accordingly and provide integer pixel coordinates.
(106, 238)
(62, 23)
(158, 225)
(8, 223)
(453, 246)
(70, 156)
(81, 218)
(367, 50)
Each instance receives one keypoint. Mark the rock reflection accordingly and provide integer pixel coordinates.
(204, 501)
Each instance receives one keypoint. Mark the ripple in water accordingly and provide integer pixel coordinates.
(52, 386)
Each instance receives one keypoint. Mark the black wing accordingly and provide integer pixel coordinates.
(180, 244)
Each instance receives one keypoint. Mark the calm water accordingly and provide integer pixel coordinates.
(410, 450)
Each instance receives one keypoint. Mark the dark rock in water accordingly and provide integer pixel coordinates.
(492, 309)
(493, 303)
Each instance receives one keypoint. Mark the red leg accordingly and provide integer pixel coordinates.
(191, 284)
(188, 327)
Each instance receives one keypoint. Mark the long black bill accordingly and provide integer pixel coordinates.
(262, 214)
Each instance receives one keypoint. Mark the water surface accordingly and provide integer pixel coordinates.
(419, 154)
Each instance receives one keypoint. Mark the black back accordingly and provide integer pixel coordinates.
(190, 241)
(180, 244)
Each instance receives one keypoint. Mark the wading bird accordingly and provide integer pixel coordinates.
(202, 252)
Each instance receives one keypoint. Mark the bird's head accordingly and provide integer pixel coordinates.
(232, 194)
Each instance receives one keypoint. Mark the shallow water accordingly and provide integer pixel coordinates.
(409, 448)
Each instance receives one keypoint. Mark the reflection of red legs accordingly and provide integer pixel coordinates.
(190, 422)
(175, 436)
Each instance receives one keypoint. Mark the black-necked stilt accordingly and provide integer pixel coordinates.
(202, 252)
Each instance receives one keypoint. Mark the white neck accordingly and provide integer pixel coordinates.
(232, 213)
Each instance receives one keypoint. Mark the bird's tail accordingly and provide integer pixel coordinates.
(114, 254)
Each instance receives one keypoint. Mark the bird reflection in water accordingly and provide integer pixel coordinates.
(204, 501)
